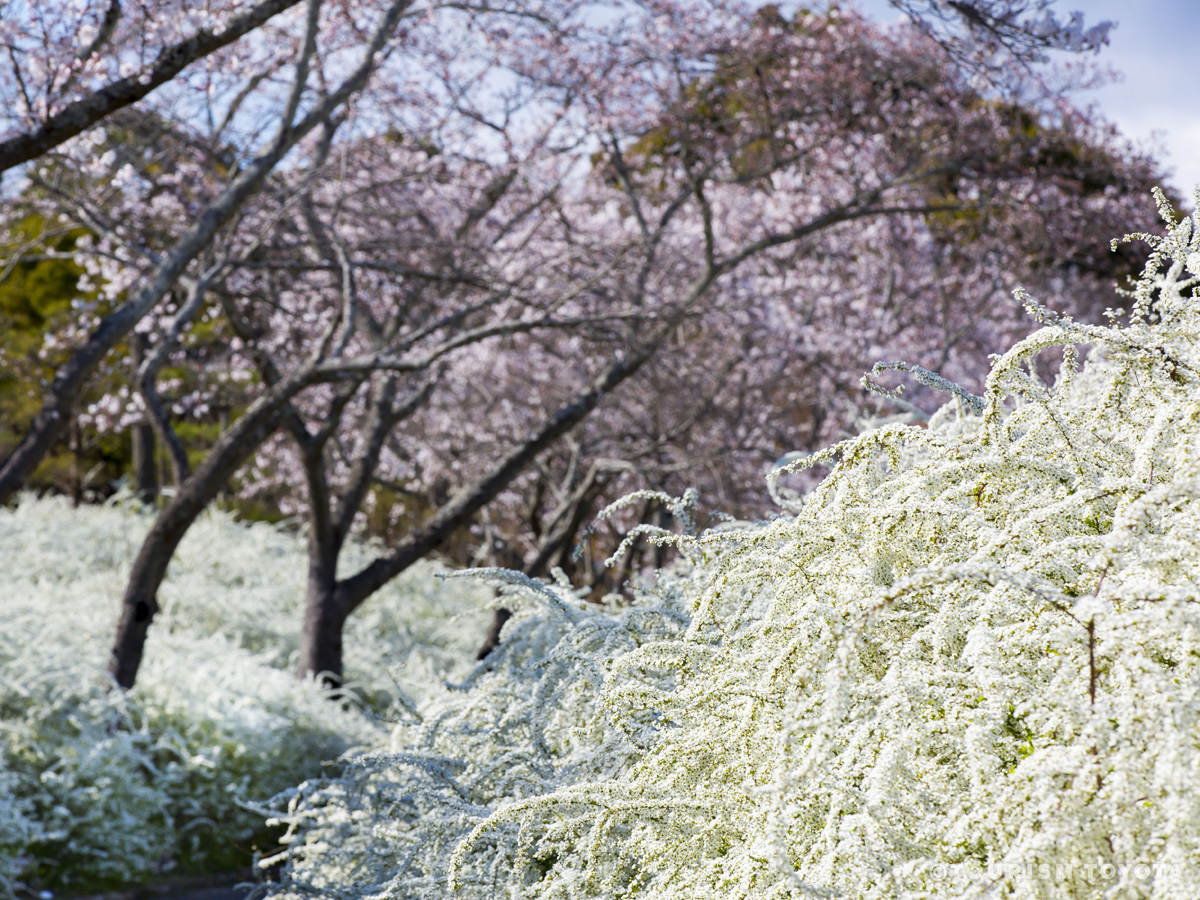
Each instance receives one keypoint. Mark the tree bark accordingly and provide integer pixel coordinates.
(321, 639)
(324, 616)
(491, 640)
(147, 369)
(75, 444)
(145, 467)
(140, 603)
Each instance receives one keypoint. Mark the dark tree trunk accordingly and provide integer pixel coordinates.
(324, 614)
(491, 641)
(140, 603)
(557, 543)
(75, 443)
(321, 640)
(145, 467)
(141, 594)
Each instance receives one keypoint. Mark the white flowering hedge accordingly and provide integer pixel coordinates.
(967, 665)
(99, 788)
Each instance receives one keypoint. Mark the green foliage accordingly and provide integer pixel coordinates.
(35, 300)
(41, 311)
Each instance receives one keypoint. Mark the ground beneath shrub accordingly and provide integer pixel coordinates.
(219, 887)
(219, 893)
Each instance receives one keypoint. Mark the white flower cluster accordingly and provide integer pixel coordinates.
(100, 788)
(968, 666)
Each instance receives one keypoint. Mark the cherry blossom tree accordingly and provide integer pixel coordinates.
(774, 366)
(470, 297)
(653, 200)
(300, 341)
(73, 65)
(308, 99)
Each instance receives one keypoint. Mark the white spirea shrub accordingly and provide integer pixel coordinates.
(967, 665)
(99, 787)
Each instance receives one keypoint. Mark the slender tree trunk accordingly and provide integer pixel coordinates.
(75, 444)
(150, 568)
(658, 553)
(556, 543)
(141, 594)
(321, 639)
(329, 525)
(145, 467)
(550, 546)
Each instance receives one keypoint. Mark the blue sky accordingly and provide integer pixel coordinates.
(1156, 45)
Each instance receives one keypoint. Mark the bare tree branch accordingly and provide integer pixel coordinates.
(69, 379)
(87, 111)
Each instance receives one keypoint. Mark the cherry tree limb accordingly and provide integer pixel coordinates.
(71, 377)
(85, 112)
